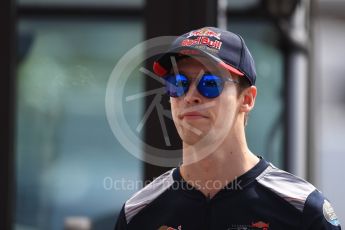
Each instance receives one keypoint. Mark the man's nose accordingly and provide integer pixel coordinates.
(193, 96)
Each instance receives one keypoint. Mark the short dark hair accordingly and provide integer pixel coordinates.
(243, 83)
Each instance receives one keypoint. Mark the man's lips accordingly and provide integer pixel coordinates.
(192, 115)
(196, 112)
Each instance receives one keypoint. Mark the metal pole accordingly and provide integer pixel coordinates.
(297, 91)
(7, 115)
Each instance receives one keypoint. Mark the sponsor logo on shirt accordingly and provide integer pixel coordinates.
(254, 225)
(329, 214)
(164, 227)
(261, 225)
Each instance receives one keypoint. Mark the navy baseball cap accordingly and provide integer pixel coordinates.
(226, 48)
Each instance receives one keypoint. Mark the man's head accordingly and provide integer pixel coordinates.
(209, 75)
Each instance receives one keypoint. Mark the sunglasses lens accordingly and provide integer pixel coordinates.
(176, 85)
(210, 86)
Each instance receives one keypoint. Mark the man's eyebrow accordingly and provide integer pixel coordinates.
(210, 72)
(216, 72)
(189, 73)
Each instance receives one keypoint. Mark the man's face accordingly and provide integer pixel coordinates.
(197, 117)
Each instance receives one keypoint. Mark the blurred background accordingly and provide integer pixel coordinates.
(60, 162)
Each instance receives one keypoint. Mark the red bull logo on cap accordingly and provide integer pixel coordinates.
(205, 32)
(202, 41)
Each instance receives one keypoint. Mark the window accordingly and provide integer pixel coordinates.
(68, 160)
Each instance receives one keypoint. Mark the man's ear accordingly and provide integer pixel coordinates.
(248, 99)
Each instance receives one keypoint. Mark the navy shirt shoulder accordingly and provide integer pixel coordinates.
(264, 198)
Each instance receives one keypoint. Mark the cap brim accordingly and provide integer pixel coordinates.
(163, 64)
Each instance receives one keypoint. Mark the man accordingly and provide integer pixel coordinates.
(210, 78)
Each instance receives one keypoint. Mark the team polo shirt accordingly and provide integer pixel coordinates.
(265, 198)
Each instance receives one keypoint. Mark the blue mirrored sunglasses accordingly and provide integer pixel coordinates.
(208, 85)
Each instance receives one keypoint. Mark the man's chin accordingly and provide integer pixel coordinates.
(191, 138)
(194, 139)
(206, 138)
(196, 134)
(190, 141)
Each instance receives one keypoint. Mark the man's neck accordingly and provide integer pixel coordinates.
(227, 162)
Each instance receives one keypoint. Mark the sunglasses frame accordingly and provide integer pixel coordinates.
(197, 81)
